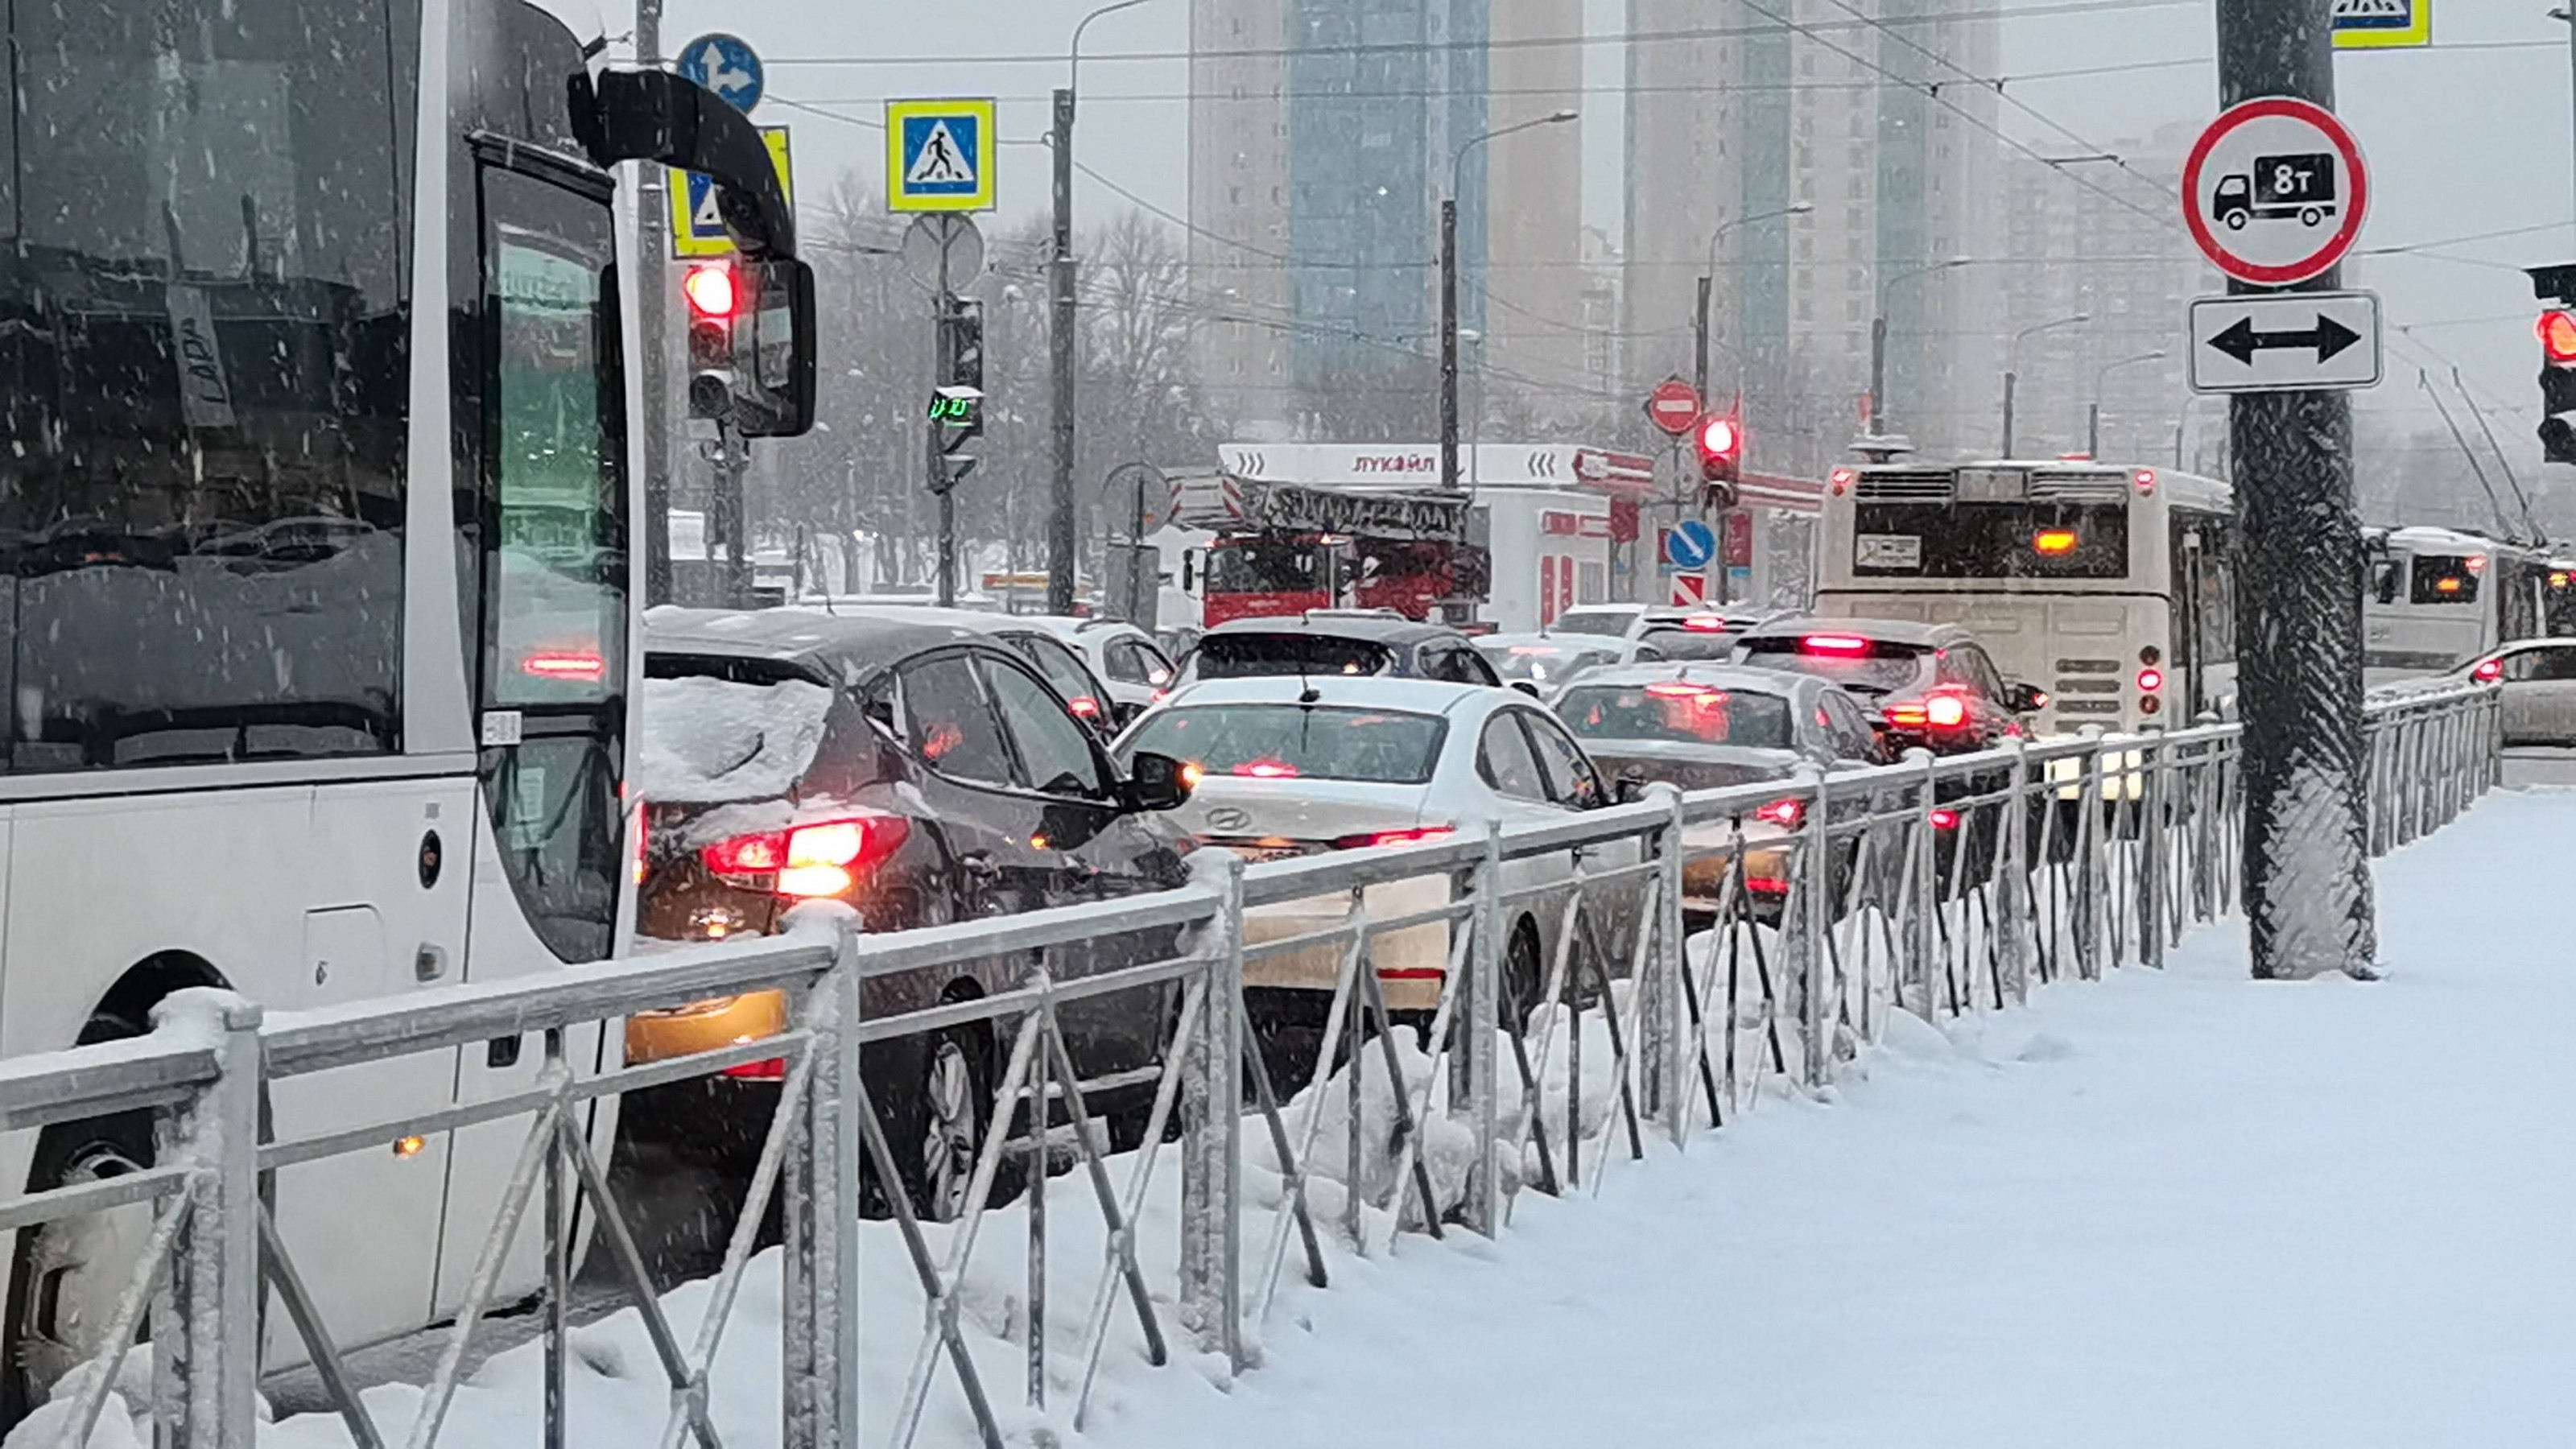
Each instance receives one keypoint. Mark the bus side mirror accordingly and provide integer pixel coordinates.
(775, 393)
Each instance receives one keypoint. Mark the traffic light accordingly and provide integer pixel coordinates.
(959, 401)
(715, 300)
(1720, 440)
(2557, 331)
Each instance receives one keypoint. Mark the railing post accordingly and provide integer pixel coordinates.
(1801, 942)
(2092, 796)
(2151, 847)
(1922, 928)
(1484, 1205)
(1816, 859)
(1663, 1045)
(212, 1308)
(1211, 1143)
(820, 1348)
(2012, 891)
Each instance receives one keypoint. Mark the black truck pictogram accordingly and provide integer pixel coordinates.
(2277, 189)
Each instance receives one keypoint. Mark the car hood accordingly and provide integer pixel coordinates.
(1224, 807)
(1691, 767)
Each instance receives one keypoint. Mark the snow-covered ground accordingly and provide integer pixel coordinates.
(2162, 1210)
(2176, 1209)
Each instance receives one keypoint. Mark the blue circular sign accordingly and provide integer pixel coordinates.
(1690, 544)
(724, 64)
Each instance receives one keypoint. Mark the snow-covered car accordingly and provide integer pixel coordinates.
(2538, 705)
(1127, 661)
(1705, 727)
(1541, 664)
(1289, 767)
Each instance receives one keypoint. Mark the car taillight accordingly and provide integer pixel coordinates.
(1784, 813)
(1906, 716)
(1084, 706)
(1415, 836)
(1161, 694)
(808, 862)
(2488, 671)
(2145, 478)
(774, 1069)
(1833, 644)
(2151, 680)
(1945, 819)
(1947, 711)
(1705, 624)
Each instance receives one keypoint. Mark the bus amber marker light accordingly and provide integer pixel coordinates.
(2053, 541)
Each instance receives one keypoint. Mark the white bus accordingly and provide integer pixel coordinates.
(2435, 598)
(317, 521)
(2110, 588)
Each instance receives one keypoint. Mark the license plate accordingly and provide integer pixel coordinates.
(1256, 854)
(1889, 551)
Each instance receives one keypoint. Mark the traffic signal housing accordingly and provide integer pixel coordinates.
(715, 297)
(961, 385)
(2557, 330)
(1719, 439)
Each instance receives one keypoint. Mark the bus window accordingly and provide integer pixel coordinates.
(2443, 579)
(1971, 540)
(203, 378)
(2385, 575)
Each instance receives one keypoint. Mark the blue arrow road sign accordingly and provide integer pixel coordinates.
(1690, 544)
(724, 64)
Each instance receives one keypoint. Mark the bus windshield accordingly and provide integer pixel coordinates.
(1990, 540)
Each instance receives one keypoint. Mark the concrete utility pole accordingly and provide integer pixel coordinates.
(1060, 320)
(652, 322)
(2298, 633)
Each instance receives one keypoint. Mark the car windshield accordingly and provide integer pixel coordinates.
(1234, 656)
(1709, 644)
(1543, 663)
(1679, 712)
(1294, 741)
(1612, 622)
(1871, 667)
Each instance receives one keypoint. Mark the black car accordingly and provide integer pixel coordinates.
(1924, 685)
(921, 774)
(1334, 641)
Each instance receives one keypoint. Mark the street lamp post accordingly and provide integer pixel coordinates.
(1708, 286)
(2012, 368)
(1449, 292)
(1878, 337)
(2093, 414)
(1061, 316)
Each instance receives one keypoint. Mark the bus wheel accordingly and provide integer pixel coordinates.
(69, 1275)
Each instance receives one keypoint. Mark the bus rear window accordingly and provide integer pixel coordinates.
(2444, 579)
(1991, 540)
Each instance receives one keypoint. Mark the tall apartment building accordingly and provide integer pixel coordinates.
(1737, 118)
(1323, 134)
(2103, 243)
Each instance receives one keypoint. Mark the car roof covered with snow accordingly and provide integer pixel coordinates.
(1420, 696)
(825, 645)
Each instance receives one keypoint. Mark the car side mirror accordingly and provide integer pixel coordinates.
(1628, 790)
(1525, 687)
(2023, 698)
(1155, 782)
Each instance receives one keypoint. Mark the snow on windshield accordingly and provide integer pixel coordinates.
(716, 739)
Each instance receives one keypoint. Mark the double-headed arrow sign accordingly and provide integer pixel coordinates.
(2285, 342)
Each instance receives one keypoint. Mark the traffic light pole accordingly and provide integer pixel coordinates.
(652, 345)
(1061, 316)
(942, 486)
(1449, 344)
(2299, 629)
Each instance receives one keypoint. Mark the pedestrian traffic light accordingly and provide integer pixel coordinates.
(2557, 331)
(962, 350)
(1720, 440)
(714, 303)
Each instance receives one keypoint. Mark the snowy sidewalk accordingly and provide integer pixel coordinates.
(2166, 1210)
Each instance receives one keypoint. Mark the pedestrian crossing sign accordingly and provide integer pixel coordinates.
(939, 155)
(2382, 24)
(697, 229)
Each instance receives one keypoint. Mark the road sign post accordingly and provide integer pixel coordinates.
(2256, 194)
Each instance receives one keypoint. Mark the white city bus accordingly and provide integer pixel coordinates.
(2435, 598)
(317, 590)
(2110, 588)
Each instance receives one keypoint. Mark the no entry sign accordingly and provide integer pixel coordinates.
(2275, 191)
(1674, 406)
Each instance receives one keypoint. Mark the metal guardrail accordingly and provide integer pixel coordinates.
(1711, 953)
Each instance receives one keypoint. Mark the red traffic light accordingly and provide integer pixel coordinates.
(709, 290)
(1719, 437)
(2557, 335)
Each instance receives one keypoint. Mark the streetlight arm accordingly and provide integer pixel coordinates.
(1073, 82)
(1460, 157)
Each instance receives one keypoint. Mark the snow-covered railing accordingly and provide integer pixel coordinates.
(1627, 979)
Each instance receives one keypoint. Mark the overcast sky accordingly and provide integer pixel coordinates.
(2471, 137)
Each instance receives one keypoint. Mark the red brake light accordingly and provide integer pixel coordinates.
(1911, 716)
(1834, 644)
(2488, 671)
(1787, 814)
(1841, 479)
(772, 1070)
(2145, 478)
(2151, 680)
(1415, 836)
(1705, 623)
(1675, 689)
(825, 858)
(2477, 563)
(1161, 694)
(1946, 710)
(1945, 819)
(2558, 336)
(1084, 706)
(710, 290)
(579, 665)
(1267, 769)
